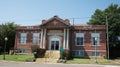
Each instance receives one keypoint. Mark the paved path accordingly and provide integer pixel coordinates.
(34, 64)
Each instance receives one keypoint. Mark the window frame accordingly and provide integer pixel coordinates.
(80, 36)
(79, 53)
(35, 38)
(93, 36)
(22, 50)
(94, 53)
(23, 38)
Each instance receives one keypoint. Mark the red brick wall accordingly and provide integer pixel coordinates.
(87, 42)
(23, 29)
(48, 36)
(72, 35)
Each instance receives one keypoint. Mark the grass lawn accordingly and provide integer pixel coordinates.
(16, 57)
(23, 58)
(90, 61)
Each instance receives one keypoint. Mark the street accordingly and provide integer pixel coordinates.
(34, 64)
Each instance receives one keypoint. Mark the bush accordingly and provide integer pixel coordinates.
(38, 52)
(66, 53)
(41, 52)
(34, 48)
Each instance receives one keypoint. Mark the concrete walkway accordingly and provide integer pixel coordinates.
(36, 64)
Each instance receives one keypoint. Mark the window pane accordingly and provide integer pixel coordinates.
(35, 38)
(93, 41)
(23, 38)
(79, 53)
(79, 40)
(76, 53)
(57, 45)
(22, 50)
(52, 45)
(95, 53)
(95, 38)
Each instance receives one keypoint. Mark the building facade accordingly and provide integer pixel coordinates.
(81, 40)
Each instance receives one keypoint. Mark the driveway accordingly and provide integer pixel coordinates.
(34, 64)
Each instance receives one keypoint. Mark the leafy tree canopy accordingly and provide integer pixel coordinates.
(7, 30)
(113, 18)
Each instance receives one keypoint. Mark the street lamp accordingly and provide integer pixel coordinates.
(118, 38)
(96, 40)
(5, 47)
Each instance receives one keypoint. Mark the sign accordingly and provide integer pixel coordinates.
(61, 50)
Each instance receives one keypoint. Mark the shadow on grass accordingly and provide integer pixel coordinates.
(89, 61)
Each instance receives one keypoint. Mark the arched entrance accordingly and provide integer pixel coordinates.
(55, 43)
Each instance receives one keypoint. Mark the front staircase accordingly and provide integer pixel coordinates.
(50, 56)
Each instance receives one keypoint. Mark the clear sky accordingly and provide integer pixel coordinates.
(31, 12)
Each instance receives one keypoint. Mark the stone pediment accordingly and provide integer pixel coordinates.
(55, 22)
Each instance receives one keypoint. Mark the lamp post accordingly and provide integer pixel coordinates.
(96, 39)
(5, 47)
(118, 38)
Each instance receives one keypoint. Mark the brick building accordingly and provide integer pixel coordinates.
(81, 40)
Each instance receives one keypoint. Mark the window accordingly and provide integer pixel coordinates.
(23, 38)
(35, 38)
(22, 50)
(79, 53)
(95, 53)
(95, 39)
(79, 39)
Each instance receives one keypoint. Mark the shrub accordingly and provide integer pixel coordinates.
(34, 48)
(41, 52)
(66, 53)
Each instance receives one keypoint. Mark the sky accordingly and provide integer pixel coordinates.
(32, 12)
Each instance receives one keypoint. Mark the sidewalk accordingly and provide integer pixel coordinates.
(117, 61)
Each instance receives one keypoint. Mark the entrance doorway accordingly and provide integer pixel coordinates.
(54, 43)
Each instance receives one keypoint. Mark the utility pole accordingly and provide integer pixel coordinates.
(107, 38)
(73, 21)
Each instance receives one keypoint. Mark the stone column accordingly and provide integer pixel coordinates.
(44, 38)
(67, 45)
(41, 39)
(64, 39)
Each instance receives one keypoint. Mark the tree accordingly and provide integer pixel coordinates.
(7, 30)
(113, 17)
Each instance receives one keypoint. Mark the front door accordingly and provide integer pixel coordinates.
(54, 45)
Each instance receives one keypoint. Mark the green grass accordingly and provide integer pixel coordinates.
(89, 61)
(16, 57)
(23, 58)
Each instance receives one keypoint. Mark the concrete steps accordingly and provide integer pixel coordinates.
(50, 56)
(51, 60)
